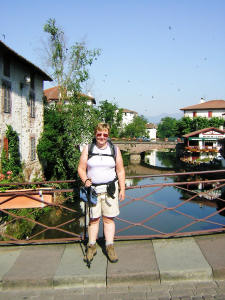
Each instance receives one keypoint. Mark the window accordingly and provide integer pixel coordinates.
(6, 66)
(32, 81)
(6, 146)
(6, 96)
(194, 114)
(32, 148)
(32, 105)
(209, 114)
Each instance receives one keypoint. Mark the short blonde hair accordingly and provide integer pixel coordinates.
(102, 127)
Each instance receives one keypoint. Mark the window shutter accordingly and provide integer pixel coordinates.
(6, 146)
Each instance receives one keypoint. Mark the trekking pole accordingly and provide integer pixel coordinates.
(89, 214)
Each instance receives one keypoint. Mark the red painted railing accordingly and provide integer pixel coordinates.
(70, 224)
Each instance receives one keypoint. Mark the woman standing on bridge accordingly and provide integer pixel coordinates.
(101, 166)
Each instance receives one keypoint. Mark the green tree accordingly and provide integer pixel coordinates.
(167, 127)
(216, 122)
(199, 123)
(11, 161)
(137, 128)
(66, 126)
(111, 114)
(69, 66)
(184, 126)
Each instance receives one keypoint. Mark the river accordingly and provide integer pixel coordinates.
(141, 203)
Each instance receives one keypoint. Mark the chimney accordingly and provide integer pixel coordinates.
(202, 100)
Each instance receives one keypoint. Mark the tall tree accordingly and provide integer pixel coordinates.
(69, 66)
(110, 113)
(137, 128)
(66, 126)
(167, 127)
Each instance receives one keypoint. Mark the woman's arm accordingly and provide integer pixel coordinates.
(82, 168)
(121, 174)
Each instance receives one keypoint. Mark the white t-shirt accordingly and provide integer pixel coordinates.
(101, 169)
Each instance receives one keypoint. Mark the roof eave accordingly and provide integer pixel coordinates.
(45, 76)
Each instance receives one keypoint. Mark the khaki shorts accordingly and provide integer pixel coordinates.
(106, 206)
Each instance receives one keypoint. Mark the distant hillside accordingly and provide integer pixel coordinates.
(157, 119)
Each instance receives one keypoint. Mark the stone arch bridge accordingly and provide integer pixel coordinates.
(135, 148)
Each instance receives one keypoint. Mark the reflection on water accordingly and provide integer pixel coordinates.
(147, 203)
(164, 159)
(168, 220)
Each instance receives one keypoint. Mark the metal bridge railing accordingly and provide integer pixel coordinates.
(50, 215)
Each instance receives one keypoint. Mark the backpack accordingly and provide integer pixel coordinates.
(112, 148)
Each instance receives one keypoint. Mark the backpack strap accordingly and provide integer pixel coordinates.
(111, 145)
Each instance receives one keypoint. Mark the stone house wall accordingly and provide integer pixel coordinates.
(28, 126)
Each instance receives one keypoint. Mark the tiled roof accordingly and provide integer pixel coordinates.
(213, 104)
(125, 110)
(5, 49)
(151, 126)
(203, 131)
(52, 94)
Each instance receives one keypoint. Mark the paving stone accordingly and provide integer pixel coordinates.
(73, 271)
(136, 265)
(205, 291)
(8, 256)
(115, 296)
(213, 249)
(182, 292)
(181, 259)
(137, 296)
(219, 297)
(162, 293)
(139, 288)
(117, 289)
(34, 267)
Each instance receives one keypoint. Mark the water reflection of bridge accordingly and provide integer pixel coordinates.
(135, 148)
(137, 169)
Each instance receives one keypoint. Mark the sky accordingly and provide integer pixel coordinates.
(157, 56)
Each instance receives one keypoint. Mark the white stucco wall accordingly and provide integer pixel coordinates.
(127, 118)
(152, 133)
(19, 118)
(204, 113)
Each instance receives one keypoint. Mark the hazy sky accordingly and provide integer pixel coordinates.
(157, 55)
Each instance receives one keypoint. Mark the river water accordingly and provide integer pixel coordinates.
(145, 202)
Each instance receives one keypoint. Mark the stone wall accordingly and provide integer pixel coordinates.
(19, 118)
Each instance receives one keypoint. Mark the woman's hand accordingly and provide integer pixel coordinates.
(88, 182)
(122, 195)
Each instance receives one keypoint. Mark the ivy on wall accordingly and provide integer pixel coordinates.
(10, 157)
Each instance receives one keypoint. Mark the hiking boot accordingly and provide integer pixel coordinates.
(110, 250)
(91, 252)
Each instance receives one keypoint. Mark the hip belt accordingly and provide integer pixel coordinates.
(110, 187)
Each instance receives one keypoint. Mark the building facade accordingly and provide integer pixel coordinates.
(52, 96)
(207, 139)
(151, 130)
(207, 109)
(128, 116)
(21, 94)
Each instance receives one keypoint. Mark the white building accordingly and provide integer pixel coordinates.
(128, 116)
(204, 139)
(151, 130)
(53, 95)
(207, 109)
(21, 94)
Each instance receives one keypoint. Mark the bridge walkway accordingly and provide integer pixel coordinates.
(177, 268)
